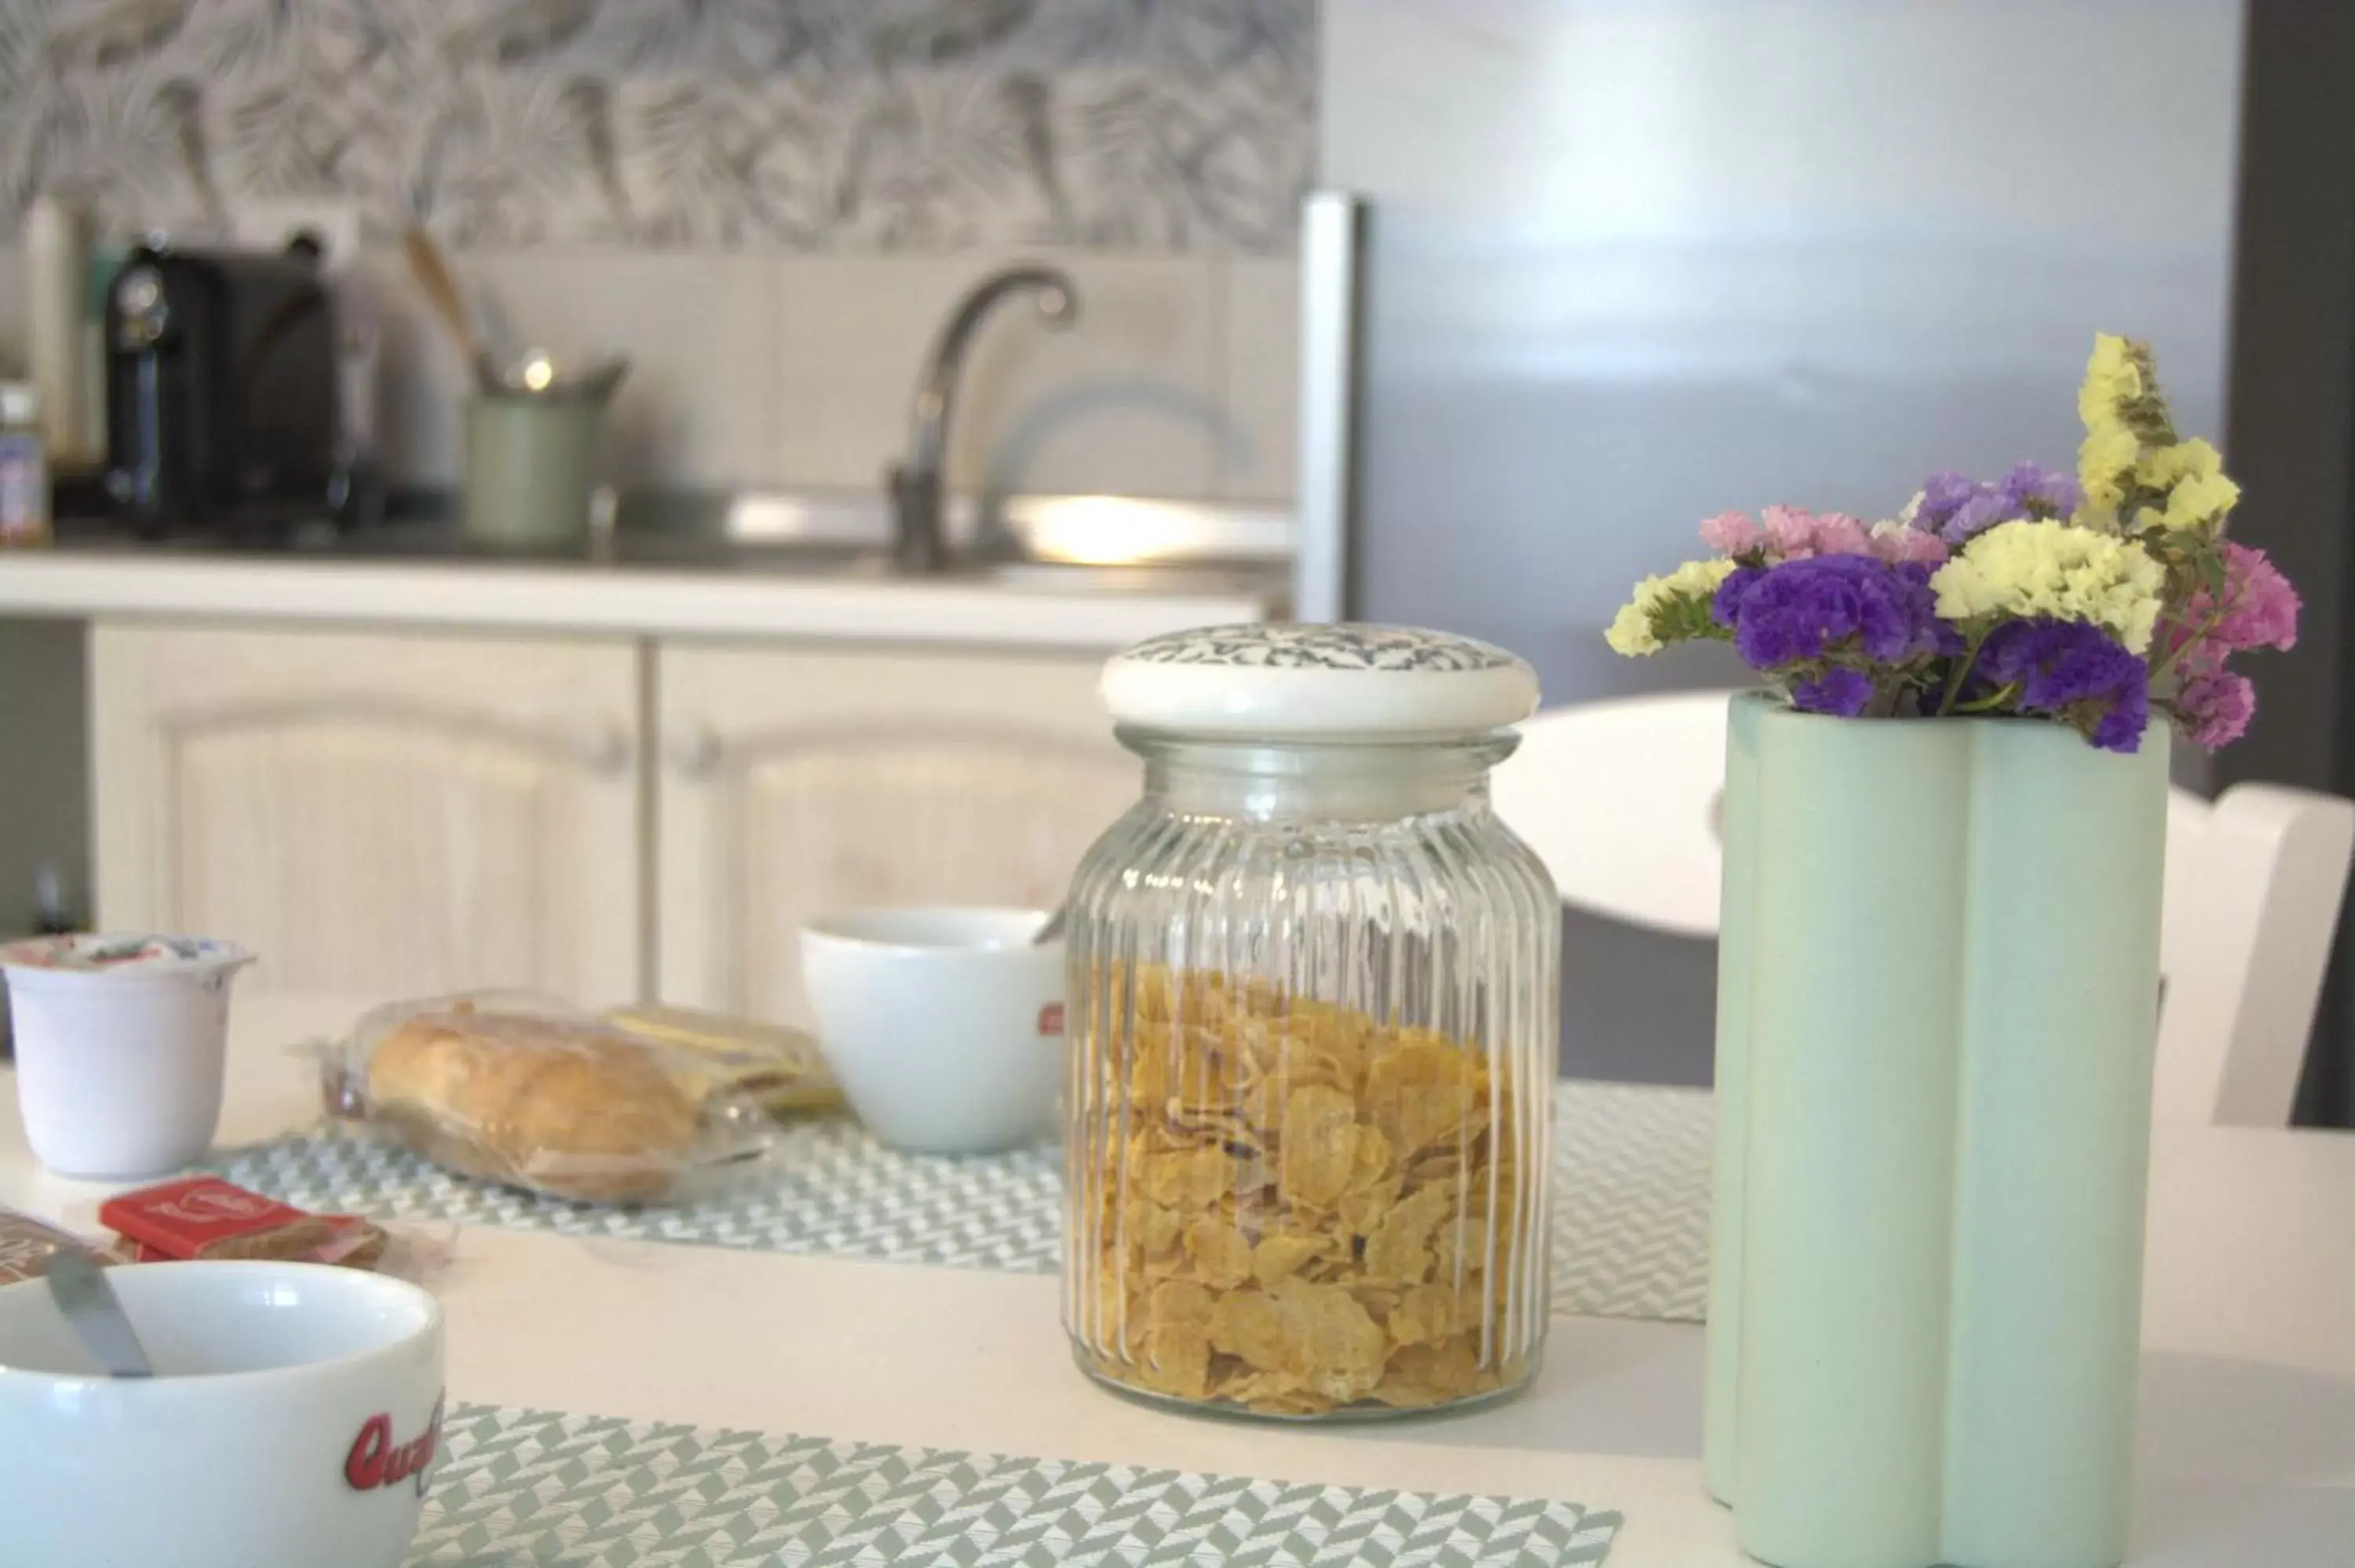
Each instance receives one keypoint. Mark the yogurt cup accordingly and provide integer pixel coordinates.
(120, 1043)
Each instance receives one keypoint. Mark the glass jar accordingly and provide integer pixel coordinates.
(1313, 995)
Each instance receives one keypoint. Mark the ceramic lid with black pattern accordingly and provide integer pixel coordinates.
(1282, 681)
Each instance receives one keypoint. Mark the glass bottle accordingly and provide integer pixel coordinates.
(1313, 998)
(23, 468)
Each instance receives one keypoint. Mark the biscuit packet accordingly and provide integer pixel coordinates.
(530, 1093)
(26, 1244)
(205, 1217)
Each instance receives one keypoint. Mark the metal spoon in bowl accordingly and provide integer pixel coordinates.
(95, 1314)
(1053, 929)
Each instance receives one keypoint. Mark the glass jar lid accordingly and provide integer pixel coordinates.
(1292, 681)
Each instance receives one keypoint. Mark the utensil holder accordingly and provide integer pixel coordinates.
(531, 469)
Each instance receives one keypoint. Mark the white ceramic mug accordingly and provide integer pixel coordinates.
(120, 1044)
(943, 1026)
(294, 1422)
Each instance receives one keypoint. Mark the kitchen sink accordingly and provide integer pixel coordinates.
(1041, 544)
(1088, 530)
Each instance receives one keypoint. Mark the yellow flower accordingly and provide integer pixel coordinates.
(2163, 466)
(2112, 377)
(1632, 632)
(2056, 570)
(2201, 501)
(2104, 460)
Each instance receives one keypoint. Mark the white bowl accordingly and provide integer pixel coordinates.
(292, 1422)
(944, 1026)
(120, 1046)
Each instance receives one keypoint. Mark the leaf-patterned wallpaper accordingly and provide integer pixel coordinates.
(805, 124)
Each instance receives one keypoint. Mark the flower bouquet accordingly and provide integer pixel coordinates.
(1938, 982)
(2095, 599)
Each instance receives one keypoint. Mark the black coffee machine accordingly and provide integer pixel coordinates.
(222, 398)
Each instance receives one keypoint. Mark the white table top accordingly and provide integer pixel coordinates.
(2247, 1437)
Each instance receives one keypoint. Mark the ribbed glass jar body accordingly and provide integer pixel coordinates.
(1313, 1008)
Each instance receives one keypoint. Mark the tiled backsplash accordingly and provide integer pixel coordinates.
(768, 204)
(808, 124)
(798, 372)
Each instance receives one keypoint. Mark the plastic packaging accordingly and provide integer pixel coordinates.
(531, 1093)
(205, 1217)
(24, 468)
(780, 1067)
(26, 1244)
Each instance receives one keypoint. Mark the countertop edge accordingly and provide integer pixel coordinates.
(650, 602)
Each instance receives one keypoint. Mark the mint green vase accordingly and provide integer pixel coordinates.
(1937, 1000)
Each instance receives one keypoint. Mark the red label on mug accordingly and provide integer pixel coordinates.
(1051, 1019)
(375, 1460)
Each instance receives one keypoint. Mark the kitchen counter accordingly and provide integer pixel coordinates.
(632, 583)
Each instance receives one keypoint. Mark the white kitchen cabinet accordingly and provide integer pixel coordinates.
(379, 814)
(797, 781)
(395, 813)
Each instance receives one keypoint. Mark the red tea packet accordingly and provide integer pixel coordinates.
(204, 1216)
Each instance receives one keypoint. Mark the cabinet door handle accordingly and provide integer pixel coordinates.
(603, 748)
(695, 751)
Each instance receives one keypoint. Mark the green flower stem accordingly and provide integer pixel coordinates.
(1961, 672)
(2159, 669)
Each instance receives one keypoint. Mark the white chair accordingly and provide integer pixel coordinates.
(1621, 802)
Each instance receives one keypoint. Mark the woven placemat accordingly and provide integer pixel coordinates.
(523, 1487)
(1630, 1229)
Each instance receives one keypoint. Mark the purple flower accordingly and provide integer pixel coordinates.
(1843, 693)
(2215, 708)
(2042, 492)
(2073, 670)
(1943, 495)
(1799, 611)
(1727, 600)
(1954, 506)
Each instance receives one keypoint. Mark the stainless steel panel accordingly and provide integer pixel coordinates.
(1331, 228)
(1632, 262)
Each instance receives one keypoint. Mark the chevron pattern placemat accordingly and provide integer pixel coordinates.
(1631, 1178)
(1630, 1229)
(526, 1486)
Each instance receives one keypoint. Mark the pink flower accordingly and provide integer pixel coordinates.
(1794, 534)
(2260, 607)
(2260, 611)
(1838, 533)
(1731, 534)
(2215, 708)
(1790, 532)
(1897, 544)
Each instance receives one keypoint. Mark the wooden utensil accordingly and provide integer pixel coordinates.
(431, 269)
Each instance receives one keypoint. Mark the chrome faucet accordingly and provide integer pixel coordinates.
(920, 541)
